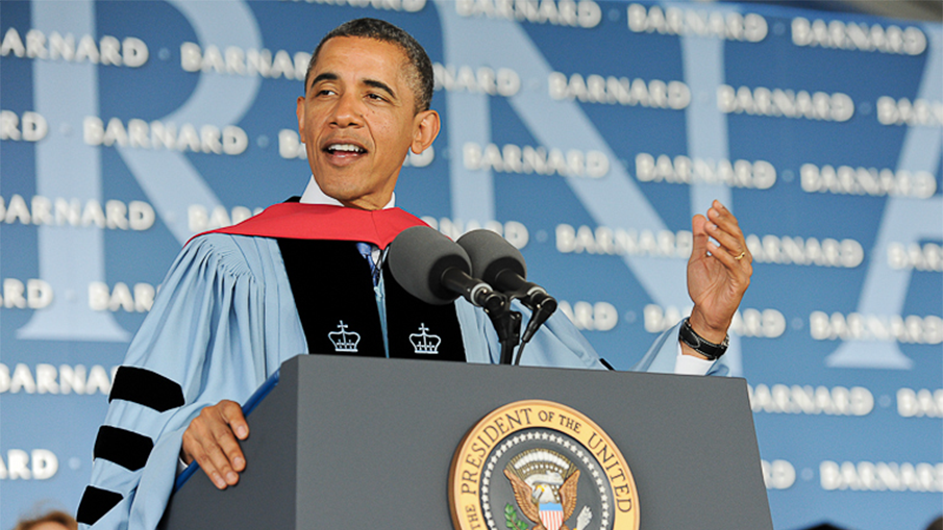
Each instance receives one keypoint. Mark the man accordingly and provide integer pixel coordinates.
(236, 304)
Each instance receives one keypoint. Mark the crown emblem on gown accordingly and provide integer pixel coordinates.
(344, 341)
(423, 343)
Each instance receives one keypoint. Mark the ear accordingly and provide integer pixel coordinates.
(426, 126)
(301, 116)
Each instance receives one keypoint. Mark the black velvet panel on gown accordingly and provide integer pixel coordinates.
(334, 294)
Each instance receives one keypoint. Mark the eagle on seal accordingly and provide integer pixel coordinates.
(541, 504)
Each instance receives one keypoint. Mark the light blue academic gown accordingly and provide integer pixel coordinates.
(225, 320)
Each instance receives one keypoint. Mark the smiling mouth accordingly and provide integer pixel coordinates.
(343, 153)
(344, 150)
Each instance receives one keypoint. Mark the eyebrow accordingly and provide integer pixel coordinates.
(380, 85)
(327, 76)
(330, 76)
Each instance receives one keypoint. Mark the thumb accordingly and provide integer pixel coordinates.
(699, 229)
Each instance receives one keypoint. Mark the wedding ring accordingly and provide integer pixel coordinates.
(740, 257)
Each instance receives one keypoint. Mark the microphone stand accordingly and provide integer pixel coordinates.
(508, 326)
(507, 323)
(534, 297)
(540, 312)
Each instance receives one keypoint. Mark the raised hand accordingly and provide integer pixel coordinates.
(717, 275)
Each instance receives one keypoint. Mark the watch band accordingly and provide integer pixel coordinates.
(699, 344)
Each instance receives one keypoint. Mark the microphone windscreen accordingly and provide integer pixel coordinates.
(419, 256)
(490, 254)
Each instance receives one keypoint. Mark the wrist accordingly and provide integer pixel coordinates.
(687, 350)
(707, 349)
(703, 327)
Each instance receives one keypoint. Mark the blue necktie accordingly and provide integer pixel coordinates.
(367, 251)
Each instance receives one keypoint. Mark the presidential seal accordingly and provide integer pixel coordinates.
(540, 465)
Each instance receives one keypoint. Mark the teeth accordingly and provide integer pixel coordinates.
(345, 147)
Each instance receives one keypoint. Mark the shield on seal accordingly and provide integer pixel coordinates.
(551, 515)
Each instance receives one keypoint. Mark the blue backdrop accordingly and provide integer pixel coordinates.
(588, 133)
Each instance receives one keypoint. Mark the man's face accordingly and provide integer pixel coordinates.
(358, 120)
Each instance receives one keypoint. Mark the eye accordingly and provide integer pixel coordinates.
(376, 97)
(321, 90)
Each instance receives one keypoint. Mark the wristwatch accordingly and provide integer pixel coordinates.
(699, 344)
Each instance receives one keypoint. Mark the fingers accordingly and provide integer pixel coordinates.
(232, 413)
(725, 229)
(729, 260)
(728, 241)
(211, 441)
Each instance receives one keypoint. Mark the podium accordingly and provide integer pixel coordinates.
(344, 442)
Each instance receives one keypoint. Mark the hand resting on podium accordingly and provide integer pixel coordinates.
(211, 441)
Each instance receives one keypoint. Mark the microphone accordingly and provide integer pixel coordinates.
(436, 270)
(497, 262)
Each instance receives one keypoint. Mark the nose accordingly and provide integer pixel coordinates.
(347, 111)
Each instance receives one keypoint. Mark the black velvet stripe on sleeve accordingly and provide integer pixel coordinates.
(128, 449)
(96, 503)
(146, 388)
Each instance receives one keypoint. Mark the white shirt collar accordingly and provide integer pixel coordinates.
(314, 195)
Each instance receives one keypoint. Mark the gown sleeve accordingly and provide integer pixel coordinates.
(559, 344)
(203, 341)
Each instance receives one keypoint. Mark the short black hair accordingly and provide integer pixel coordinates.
(421, 80)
